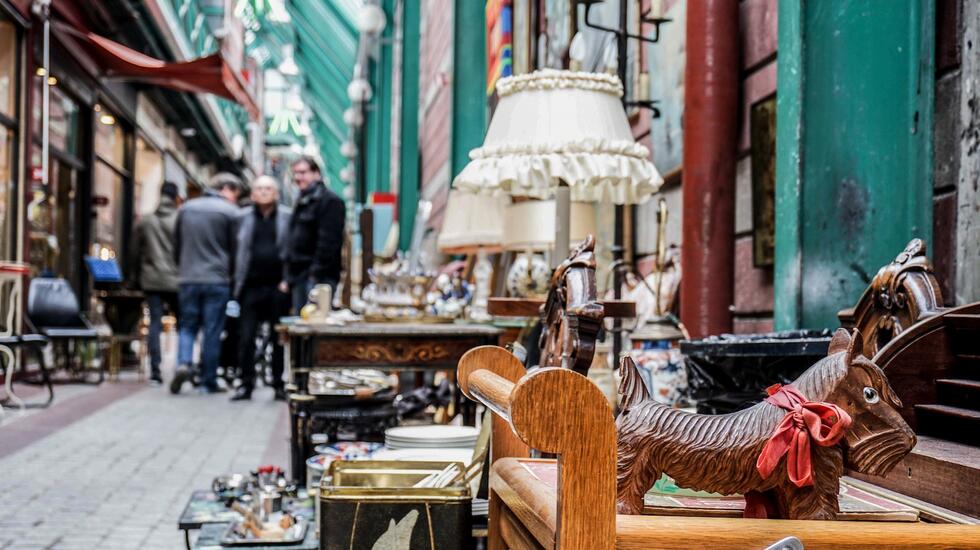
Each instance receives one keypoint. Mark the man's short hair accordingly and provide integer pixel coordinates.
(223, 180)
(169, 189)
(310, 161)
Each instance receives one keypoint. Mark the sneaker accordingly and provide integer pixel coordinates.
(156, 380)
(181, 375)
(243, 393)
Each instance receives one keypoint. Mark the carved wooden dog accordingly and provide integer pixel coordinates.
(719, 453)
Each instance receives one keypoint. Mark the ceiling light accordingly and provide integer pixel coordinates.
(41, 71)
(371, 19)
(353, 118)
(188, 132)
(348, 149)
(107, 119)
(288, 66)
(97, 108)
(359, 90)
(52, 81)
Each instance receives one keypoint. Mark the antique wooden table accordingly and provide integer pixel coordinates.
(418, 347)
(386, 346)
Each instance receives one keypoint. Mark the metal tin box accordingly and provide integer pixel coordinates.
(373, 504)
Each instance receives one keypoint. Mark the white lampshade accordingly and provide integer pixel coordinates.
(472, 221)
(530, 225)
(552, 126)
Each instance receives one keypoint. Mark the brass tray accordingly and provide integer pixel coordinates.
(294, 535)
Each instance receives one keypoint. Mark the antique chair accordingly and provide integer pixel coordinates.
(12, 338)
(54, 312)
(930, 354)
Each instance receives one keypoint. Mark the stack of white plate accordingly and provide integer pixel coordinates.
(481, 507)
(431, 437)
(426, 455)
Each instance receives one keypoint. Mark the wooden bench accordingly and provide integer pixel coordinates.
(560, 412)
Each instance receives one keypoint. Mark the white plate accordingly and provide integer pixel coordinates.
(433, 432)
(425, 455)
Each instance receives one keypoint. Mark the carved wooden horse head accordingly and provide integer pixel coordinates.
(720, 453)
(572, 315)
(902, 293)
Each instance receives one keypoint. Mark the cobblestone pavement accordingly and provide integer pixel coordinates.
(120, 476)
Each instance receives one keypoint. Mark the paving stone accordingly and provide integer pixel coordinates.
(120, 477)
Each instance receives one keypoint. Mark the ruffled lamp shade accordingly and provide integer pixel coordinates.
(552, 126)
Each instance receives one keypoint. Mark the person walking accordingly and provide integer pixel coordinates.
(205, 249)
(260, 280)
(316, 233)
(155, 267)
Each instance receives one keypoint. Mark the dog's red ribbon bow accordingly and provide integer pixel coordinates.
(805, 420)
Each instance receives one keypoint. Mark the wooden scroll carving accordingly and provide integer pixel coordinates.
(903, 293)
(718, 453)
(572, 315)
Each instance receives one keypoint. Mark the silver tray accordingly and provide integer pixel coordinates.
(294, 535)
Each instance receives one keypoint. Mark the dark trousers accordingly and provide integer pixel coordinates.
(157, 300)
(202, 307)
(260, 304)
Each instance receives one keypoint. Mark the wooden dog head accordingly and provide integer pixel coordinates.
(879, 438)
(718, 453)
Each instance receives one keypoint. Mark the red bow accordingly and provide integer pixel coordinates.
(823, 422)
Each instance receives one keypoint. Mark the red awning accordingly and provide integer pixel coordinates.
(211, 74)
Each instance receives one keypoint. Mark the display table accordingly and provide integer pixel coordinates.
(416, 347)
(207, 512)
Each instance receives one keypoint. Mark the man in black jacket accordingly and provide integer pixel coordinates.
(316, 233)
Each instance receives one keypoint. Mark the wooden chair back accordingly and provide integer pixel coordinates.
(556, 411)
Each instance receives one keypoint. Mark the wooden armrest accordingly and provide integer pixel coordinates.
(531, 307)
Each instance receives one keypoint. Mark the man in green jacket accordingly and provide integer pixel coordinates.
(156, 268)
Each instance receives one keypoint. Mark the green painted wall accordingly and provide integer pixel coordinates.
(854, 148)
(377, 121)
(408, 189)
(469, 80)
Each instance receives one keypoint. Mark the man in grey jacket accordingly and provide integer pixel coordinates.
(155, 268)
(260, 280)
(205, 248)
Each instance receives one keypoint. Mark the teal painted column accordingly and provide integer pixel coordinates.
(854, 148)
(789, 178)
(469, 80)
(377, 119)
(408, 187)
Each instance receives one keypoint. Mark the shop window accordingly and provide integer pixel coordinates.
(8, 173)
(8, 135)
(108, 200)
(8, 69)
(110, 178)
(148, 173)
(52, 220)
(63, 131)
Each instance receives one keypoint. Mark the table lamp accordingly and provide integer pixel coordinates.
(474, 224)
(563, 135)
(530, 228)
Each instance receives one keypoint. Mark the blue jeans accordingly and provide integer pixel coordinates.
(156, 300)
(202, 307)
